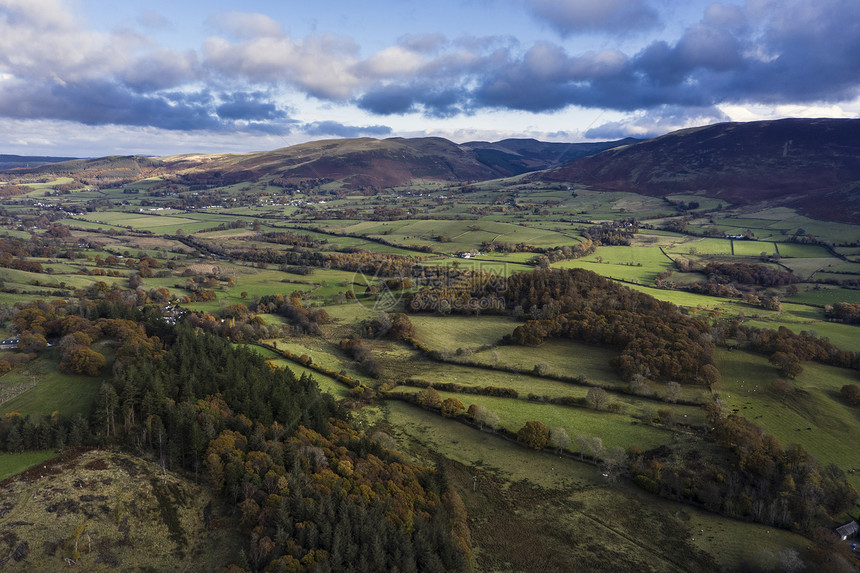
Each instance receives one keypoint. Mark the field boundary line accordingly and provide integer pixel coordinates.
(666, 254)
(436, 356)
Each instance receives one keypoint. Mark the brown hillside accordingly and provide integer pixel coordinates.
(812, 165)
(106, 510)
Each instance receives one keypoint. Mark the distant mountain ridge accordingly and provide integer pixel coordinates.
(354, 163)
(397, 161)
(16, 161)
(524, 155)
(812, 165)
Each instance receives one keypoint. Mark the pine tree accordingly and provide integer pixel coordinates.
(14, 440)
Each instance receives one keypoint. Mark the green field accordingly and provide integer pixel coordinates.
(576, 500)
(630, 264)
(53, 391)
(827, 295)
(796, 250)
(613, 429)
(452, 236)
(814, 417)
(753, 248)
(321, 353)
(448, 333)
(681, 298)
(809, 267)
(488, 264)
(12, 464)
(842, 335)
(326, 384)
(700, 246)
(846, 268)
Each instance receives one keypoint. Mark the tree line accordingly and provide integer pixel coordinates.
(748, 274)
(762, 481)
(656, 339)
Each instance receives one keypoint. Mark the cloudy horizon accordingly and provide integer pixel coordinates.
(94, 77)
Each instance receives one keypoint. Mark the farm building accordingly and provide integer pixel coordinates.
(10, 343)
(848, 530)
(469, 254)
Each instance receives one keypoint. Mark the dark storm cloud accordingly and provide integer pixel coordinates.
(702, 48)
(106, 103)
(248, 106)
(546, 79)
(340, 130)
(418, 97)
(573, 16)
(794, 52)
(389, 100)
(766, 51)
(809, 51)
(103, 103)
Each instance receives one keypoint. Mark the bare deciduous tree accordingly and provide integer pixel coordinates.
(597, 398)
(558, 438)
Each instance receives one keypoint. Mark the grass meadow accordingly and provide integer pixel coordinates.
(12, 464)
(517, 489)
(824, 294)
(327, 384)
(448, 333)
(814, 416)
(630, 264)
(614, 429)
(703, 246)
(753, 248)
(47, 390)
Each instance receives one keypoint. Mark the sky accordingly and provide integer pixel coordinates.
(88, 78)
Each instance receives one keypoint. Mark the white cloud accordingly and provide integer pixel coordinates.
(245, 26)
(391, 61)
(162, 69)
(321, 65)
(42, 39)
(61, 138)
(657, 122)
(752, 112)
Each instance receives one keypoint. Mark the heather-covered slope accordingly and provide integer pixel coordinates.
(515, 156)
(812, 165)
(354, 163)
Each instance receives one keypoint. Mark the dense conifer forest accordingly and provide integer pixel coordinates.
(312, 492)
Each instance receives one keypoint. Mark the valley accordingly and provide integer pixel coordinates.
(674, 346)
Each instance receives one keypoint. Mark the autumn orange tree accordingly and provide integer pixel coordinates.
(451, 407)
(534, 434)
(429, 398)
(83, 360)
